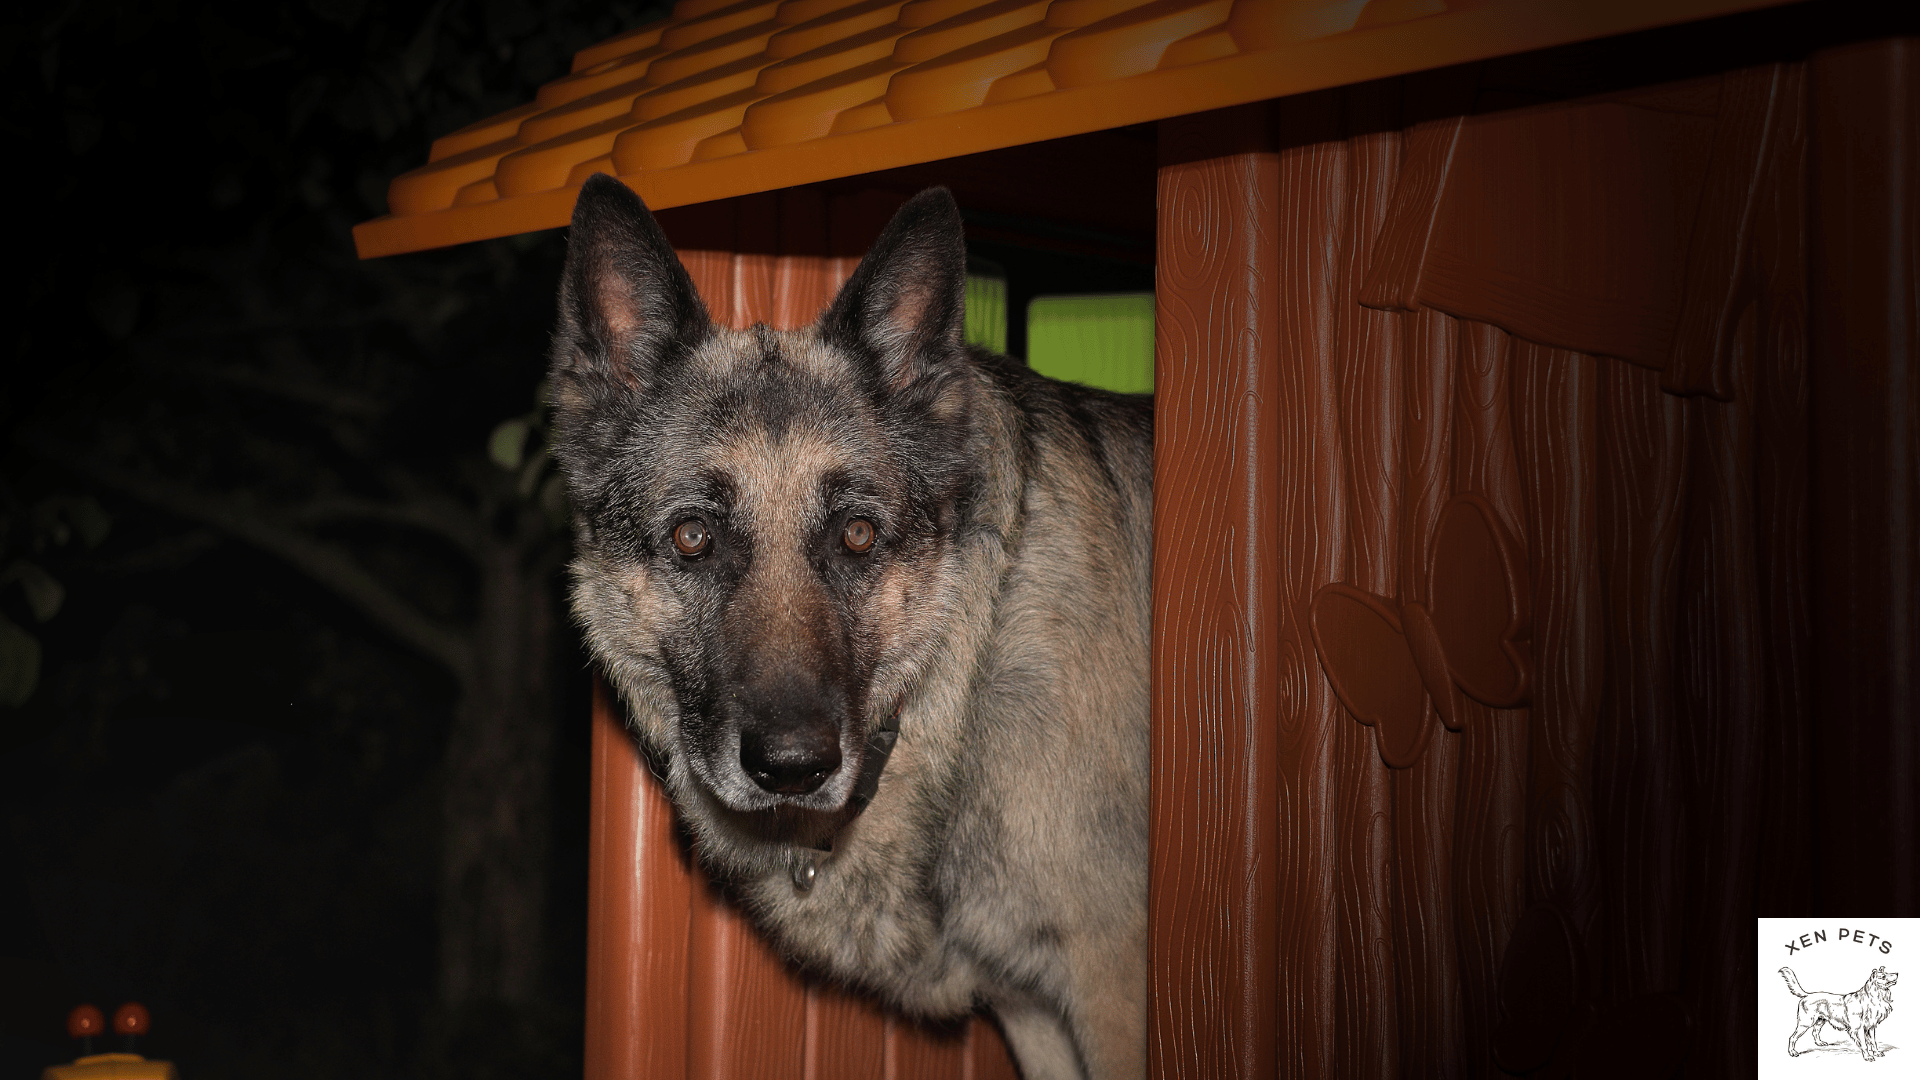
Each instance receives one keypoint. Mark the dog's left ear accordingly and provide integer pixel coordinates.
(905, 305)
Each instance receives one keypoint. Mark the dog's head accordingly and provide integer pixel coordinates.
(1883, 978)
(766, 520)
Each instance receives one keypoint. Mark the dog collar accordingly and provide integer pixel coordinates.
(806, 860)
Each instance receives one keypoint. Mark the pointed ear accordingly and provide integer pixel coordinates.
(626, 303)
(904, 305)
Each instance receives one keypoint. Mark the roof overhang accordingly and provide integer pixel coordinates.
(732, 98)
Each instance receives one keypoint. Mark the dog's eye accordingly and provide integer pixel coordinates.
(691, 537)
(859, 535)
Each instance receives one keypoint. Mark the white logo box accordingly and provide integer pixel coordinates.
(1832, 958)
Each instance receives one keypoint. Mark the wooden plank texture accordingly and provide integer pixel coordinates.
(1212, 901)
(1489, 822)
(1553, 422)
(638, 887)
(1784, 882)
(1371, 391)
(1719, 282)
(1639, 792)
(1310, 504)
(1431, 1021)
(1863, 198)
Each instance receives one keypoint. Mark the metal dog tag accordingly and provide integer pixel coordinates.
(805, 869)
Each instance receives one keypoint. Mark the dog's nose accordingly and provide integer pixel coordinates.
(793, 760)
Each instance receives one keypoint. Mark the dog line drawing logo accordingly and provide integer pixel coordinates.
(1858, 1014)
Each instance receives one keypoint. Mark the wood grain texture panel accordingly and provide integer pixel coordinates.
(1784, 882)
(849, 1037)
(1719, 668)
(1739, 683)
(846, 1037)
(753, 290)
(1369, 394)
(1640, 803)
(1430, 1020)
(1489, 841)
(1310, 503)
(1212, 901)
(986, 1056)
(803, 286)
(746, 1011)
(752, 267)
(1530, 186)
(1393, 271)
(1553, 419)
(914, 1051)
(712, 273)
(1718, 282)
(637, 914)
(1863, 203)
(1371, 386)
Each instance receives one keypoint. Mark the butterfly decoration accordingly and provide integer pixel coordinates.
(1472, 636)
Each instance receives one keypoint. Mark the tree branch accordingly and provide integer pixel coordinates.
(325, 563)
(437, 516)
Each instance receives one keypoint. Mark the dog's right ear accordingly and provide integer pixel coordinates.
(626, 302)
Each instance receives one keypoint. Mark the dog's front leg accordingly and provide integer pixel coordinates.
(1109, 1007)
(1039, 1040)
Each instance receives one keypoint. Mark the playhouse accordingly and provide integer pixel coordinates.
(1535, 513)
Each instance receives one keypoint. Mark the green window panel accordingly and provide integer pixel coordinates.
(1103, 341)
(986, 303)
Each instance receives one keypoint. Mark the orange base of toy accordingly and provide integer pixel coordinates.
(112, 1067)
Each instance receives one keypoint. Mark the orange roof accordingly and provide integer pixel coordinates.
(730, 97)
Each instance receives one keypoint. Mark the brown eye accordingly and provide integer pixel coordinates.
(859, 535)
(691, 537)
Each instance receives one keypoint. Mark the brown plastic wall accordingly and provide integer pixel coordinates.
(1584, 327)
(1215, 578)
(1865, 184)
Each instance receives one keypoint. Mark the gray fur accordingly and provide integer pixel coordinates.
(1002, 614)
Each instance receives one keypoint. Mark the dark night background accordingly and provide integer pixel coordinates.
(251, 523)
(293, 739)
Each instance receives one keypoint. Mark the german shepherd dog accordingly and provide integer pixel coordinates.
(877, 604)
(1858, 1014)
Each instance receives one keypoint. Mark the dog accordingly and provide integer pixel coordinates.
(877, 603)
(1858, 1014)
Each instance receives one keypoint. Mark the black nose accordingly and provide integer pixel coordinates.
(792, 760)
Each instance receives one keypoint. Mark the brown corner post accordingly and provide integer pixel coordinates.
(637, 911)
(1864, 197)
(1213, 903)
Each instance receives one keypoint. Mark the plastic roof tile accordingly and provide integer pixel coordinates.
(726, 99)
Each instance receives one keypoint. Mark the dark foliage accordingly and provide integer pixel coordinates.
(228, 795)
